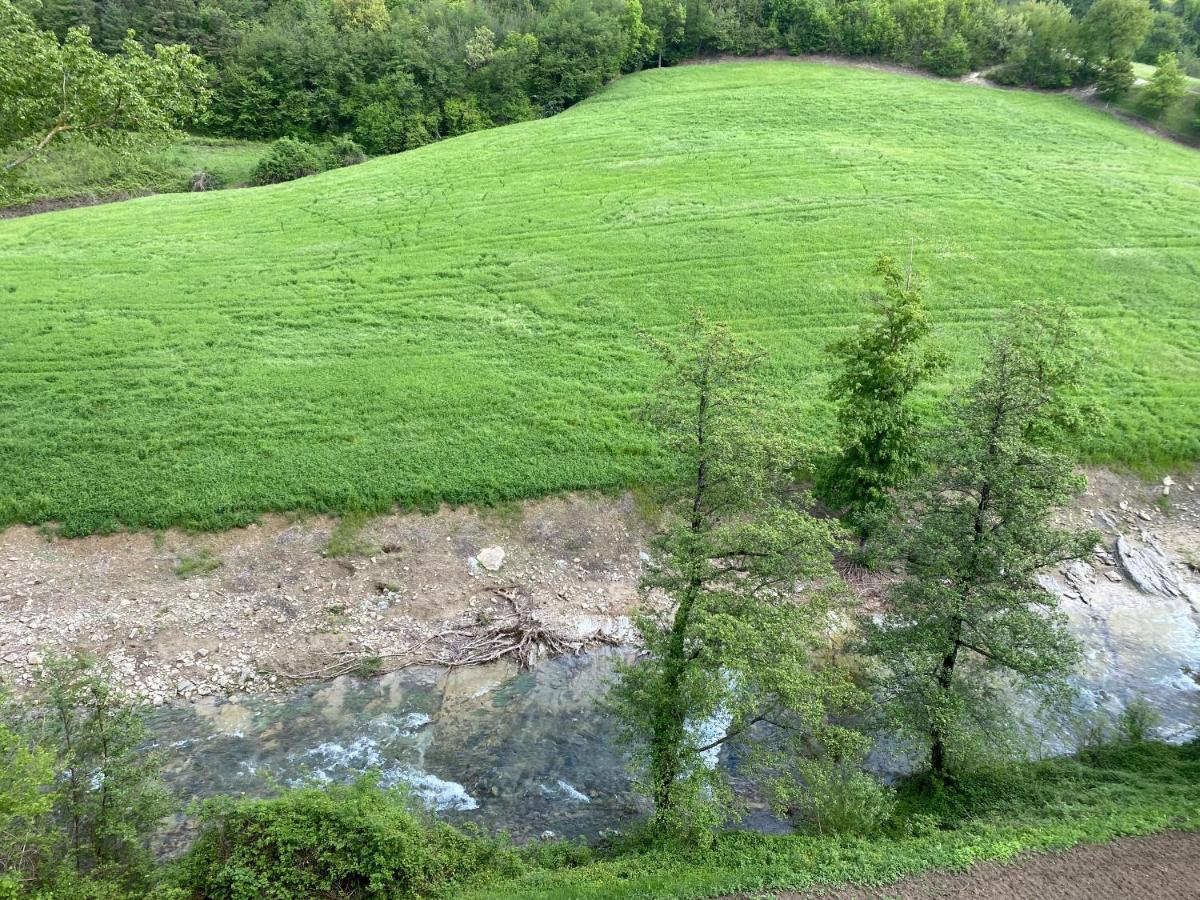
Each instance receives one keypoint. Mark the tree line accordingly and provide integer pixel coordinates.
(395, 74)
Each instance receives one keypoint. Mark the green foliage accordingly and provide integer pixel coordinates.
(1049, 55)
(738, 648)
(1137, 721)
(49, 89)
(879, 368)
(25, 805)
(289, 159)
(1116, 78)
(1166, 87)
(108, 797)
(1115, 28)
(975, 532)
(355, 840)
(993, 814)
(79, 796)
(447, 326)
(836, 797)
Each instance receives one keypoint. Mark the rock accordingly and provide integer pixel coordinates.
(1112, 576)
(34, 658)
(491, 558)
(1148, 568)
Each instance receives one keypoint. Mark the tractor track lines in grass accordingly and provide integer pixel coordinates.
(459, 322)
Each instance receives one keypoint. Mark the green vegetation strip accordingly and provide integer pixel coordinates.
(1048, 806)
(78, 171)
(458, 323)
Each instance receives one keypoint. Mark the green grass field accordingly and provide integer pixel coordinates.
(72, 170)
(459, 322)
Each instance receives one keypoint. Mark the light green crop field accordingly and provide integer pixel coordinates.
(459, 323)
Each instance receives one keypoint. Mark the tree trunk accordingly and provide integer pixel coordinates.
(945, 680)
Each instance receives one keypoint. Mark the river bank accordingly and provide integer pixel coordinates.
(184, 616)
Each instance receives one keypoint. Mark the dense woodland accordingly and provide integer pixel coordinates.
(396, 74)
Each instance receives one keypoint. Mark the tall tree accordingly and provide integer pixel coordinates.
(881, 364)
(1167, 85)
(1115, 28)
(738, 647)
(50, 89)
(976, 530)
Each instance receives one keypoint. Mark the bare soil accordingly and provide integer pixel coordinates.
(1163, 867)
(35, 207)
(274, 603)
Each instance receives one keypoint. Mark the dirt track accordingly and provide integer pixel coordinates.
(1163, 867)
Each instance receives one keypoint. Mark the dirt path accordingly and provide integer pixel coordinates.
(1163, 867)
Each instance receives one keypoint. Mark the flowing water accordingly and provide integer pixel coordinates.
(530, 752)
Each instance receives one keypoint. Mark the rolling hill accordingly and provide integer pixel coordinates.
(459, 322)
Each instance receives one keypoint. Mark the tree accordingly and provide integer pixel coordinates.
(108, 797)
(1115, 28)
(737, 649)
(1048, 57)
(974, 534)
(881, 365)
(365, 15)
(49, 89)
(1115, 79)
(26, 770)
(1167, 86)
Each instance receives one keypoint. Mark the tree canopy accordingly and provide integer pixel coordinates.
(52, 88)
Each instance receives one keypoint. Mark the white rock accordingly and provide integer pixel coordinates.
(491, 558)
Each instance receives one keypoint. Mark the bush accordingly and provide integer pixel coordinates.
(358, 840)
(289, 159)
(1115, 79)
(952, 59)
(841, 798)
(1167, 86)
(346, 151)
(1138, 721)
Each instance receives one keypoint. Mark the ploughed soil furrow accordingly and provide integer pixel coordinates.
(1160, 867)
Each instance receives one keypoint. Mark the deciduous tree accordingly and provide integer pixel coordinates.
(50, 89)
(1167, 85)
(975, 533)
(738, 647)
(880, 366)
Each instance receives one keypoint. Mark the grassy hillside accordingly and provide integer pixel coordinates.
(458, 322)
(70, 171)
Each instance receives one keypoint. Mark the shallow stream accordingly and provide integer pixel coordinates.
(531, 752)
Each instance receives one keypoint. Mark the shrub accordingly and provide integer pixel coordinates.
(1115, 79)
(356, 840)
(840, 798)
(1167, 86)
(346, 151)
(1137, 721)
(951, 59)
(289, 158)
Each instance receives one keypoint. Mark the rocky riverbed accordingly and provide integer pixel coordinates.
(255, 610)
